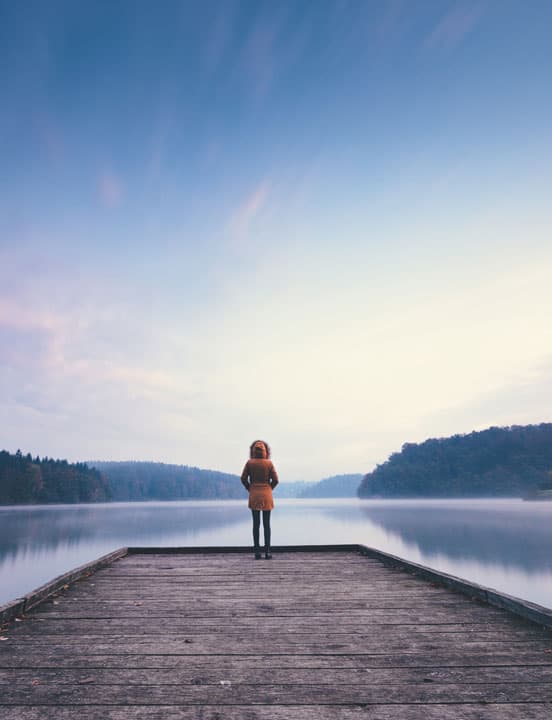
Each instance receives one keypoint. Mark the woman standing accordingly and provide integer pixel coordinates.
(259, 477)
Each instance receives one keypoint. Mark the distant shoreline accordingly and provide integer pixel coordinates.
(286, 500)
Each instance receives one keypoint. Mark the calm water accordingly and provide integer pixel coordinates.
(505, 544)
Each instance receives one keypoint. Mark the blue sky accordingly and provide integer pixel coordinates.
(323, 223)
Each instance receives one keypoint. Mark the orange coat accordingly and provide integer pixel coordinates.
(259, 477)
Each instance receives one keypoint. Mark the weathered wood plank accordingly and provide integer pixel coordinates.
(59, 658)
(246, 673)
(280, 605)
(271, 693)
(304, 596)
(345, 617)
(171, 630)
(207, 551)
(259, 589)
(135, 609)
(477, 711)
(190, 646)
(138, 624)
(333, 582)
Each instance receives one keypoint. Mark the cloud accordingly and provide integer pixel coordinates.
(250, 208)
(80, 382)
(260, 61)
(15, 315)
(28, 337)
(453, 27)
(44, 348)
(110, 189)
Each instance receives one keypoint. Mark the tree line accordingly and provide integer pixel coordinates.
(508, 461)
(28, 480)
(161, 481)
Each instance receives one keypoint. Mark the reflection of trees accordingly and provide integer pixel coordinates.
(32, 530)
(513, 537)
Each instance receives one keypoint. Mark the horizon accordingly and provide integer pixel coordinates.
(327, 226)
(92, 463)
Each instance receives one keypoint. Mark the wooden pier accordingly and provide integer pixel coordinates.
(319, 633)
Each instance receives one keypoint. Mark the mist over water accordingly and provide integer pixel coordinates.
(504, 544)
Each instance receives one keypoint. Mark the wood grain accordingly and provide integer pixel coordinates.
(307, 635)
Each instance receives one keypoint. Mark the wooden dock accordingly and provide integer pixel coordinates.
(162, 635)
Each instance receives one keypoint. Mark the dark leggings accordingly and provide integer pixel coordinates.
(257, 524)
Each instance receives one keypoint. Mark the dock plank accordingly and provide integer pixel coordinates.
(308, 635)
(285, 712)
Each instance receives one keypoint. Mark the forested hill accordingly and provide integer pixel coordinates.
(293, 489)
(26, 480)
(509, 461)
(335, 486)
(158, 481)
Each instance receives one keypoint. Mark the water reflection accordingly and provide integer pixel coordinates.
(502, 543)
(38, 528)
(512, 533)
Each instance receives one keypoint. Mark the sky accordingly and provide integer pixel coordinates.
(324, 224)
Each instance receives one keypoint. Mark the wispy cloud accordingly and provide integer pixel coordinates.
(56, 345)
(58, 373)
(260, 59)
(455, 25)
(29, 337)
(14, 315)
(250, 208)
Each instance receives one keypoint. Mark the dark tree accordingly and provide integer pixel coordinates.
(510, 461)
(26, 481)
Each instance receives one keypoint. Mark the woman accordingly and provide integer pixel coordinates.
(259, 477)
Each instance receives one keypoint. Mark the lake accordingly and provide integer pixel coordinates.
(504, 544)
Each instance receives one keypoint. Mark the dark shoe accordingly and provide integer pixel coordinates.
(268, 555)
(257, 554)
